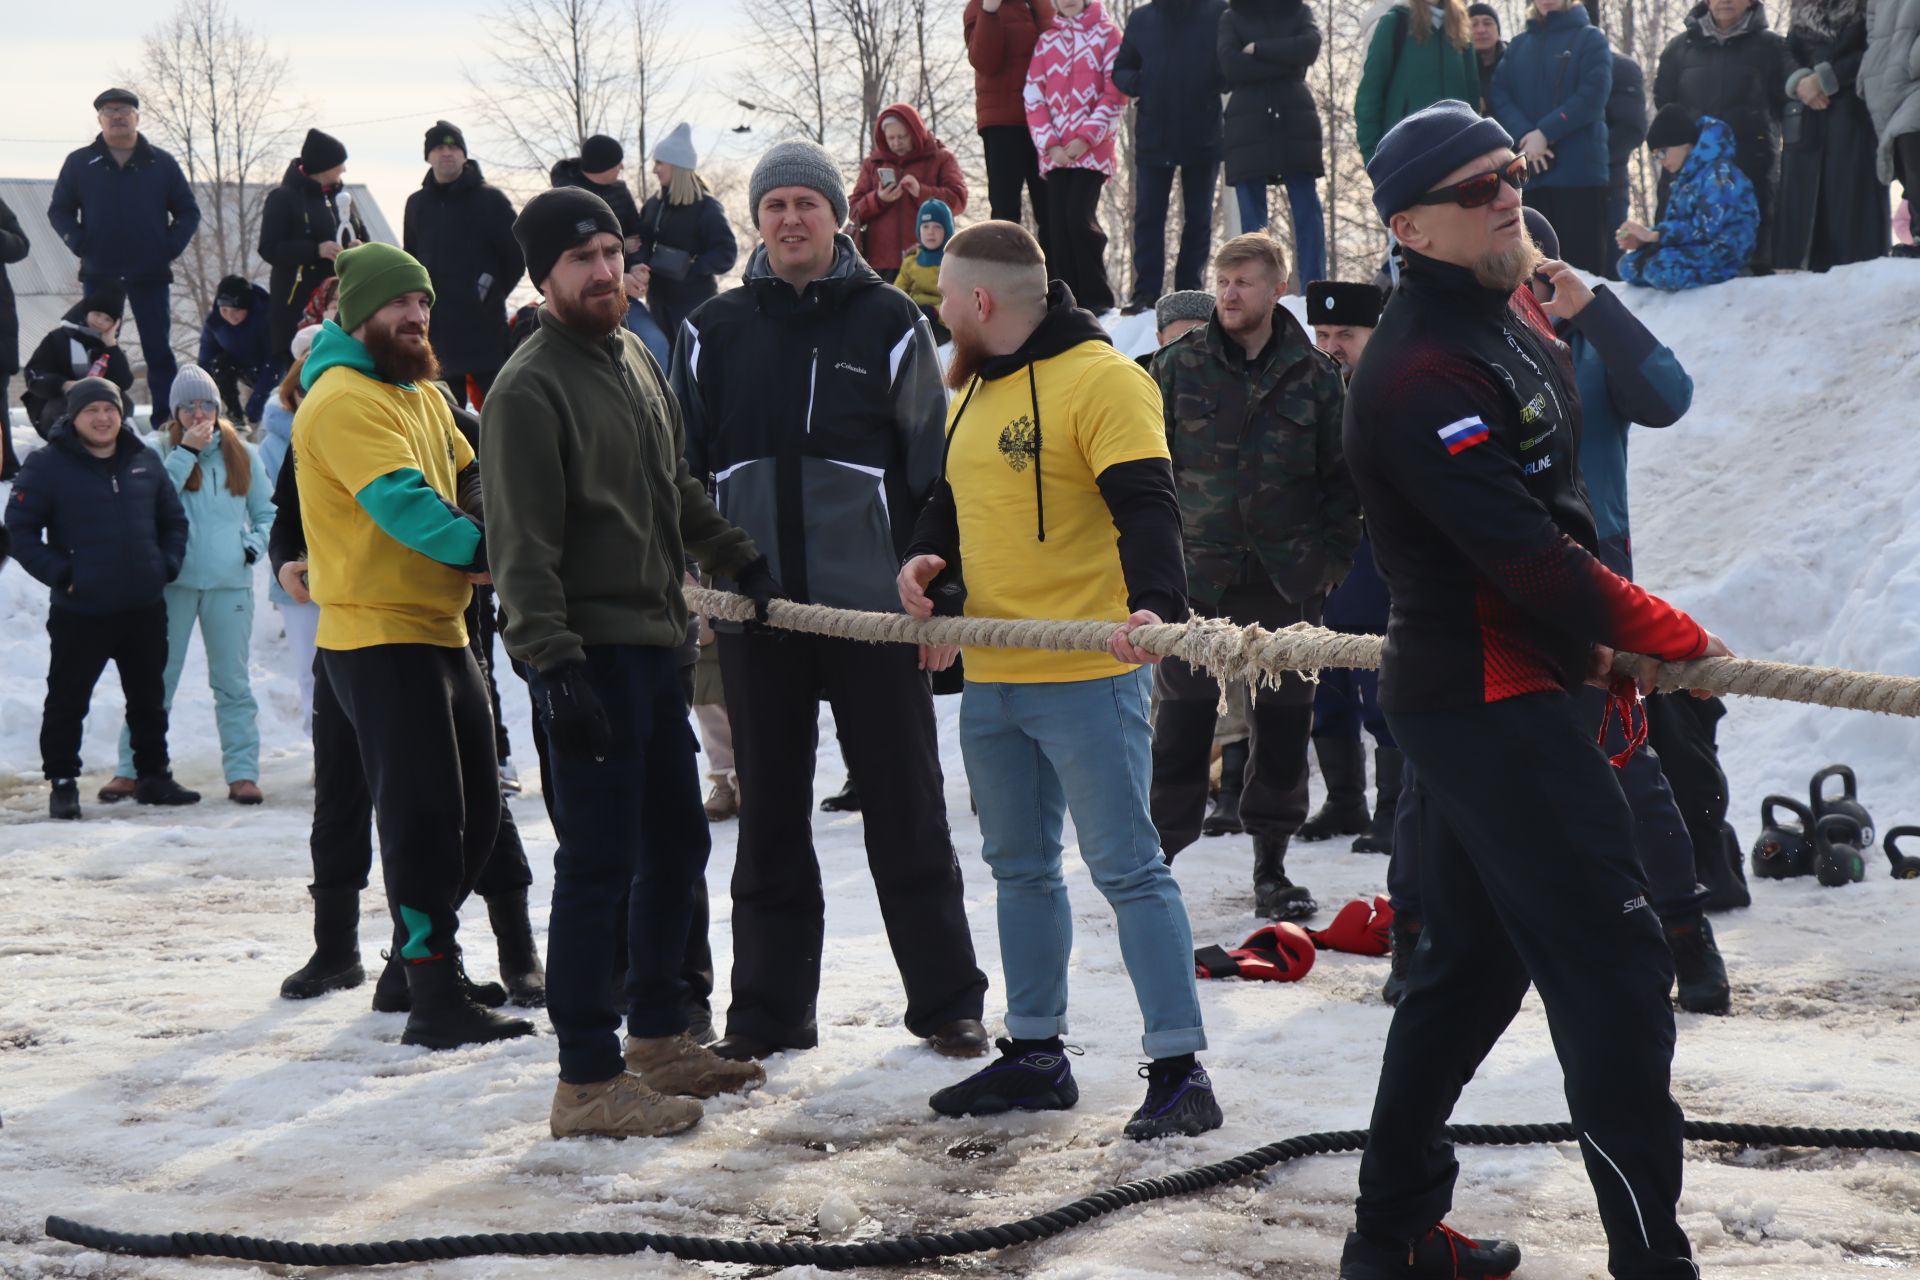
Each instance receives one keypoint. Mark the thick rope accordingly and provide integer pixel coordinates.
(1249, 654)
(900, 1250)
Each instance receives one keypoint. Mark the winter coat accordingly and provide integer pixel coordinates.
(124, 222)
(13, 248)
(1626, 115)
(1829, 171)
(1169, 64)
(1000, 48)
(1710, 224)
(619, 198)
(225, 533)
(832, 397)
(1739, 77)
(891, 229)
(1556, 78)
(1404, 73)
(1272, 122)
(462, 232)
(1258, 463)
(71, 352)
(248, 346)
(1070, 91)
(296, 219)
(702, 230)
(106, 534)
(1487, 70)
(286, 540)
(922, 284)
(1890, 77)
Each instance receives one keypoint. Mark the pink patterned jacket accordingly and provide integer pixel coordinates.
(1070, 91)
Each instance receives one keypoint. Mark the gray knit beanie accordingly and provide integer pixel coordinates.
(797, 164)
(1187, 304)
(192, 384)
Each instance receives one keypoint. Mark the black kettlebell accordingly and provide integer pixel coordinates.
(1837, 843)
(1847, 802)
(1905, 865)
(1783, 851)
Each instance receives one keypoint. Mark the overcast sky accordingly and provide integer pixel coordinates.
(377, 74)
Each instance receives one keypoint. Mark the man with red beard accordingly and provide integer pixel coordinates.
(391, 560)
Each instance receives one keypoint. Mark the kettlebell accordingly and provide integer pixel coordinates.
(1847, 802)
(1837, 842)
(1783, 851)
(1905, 865)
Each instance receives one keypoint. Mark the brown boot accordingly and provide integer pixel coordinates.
(116, 790)
(245, 791)
(681, 1065)
(723, 802)
(623, 1107)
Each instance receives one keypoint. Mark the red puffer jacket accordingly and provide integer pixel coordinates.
(890, 227)
(1000, 47)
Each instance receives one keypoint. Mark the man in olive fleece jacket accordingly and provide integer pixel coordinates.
(591, 512)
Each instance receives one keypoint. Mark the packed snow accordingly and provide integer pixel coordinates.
(151, 1078)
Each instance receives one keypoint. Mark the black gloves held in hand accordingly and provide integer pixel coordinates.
(756, 582)
(576, 723)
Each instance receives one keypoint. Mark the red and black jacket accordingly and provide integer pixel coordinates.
(1463, 434)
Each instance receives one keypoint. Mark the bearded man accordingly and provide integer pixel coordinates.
(391, 560)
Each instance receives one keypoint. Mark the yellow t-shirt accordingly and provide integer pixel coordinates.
(1096, 408)
(350, 430)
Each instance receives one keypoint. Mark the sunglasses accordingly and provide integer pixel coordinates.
(1481, 189)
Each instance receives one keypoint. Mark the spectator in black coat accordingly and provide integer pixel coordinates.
(106, 552)
(13, 248)
(1833, 208)
(86, 344)
(1272, 124)
(1626, 131)
(1169, 64)
(1488, 48)
(124, 207)
(460, 227)
(685, 240)
(236, 345)
(302, 231)
(1725, 63)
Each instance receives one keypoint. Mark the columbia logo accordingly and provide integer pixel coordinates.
(850, 368)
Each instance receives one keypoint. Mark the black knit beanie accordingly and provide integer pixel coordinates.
(321, 152)
(554, 221)
(444, 135)
(1675, 126)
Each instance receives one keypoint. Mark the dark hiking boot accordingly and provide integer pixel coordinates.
(335, 964)
(1723, 870)
(1138, 307)
(160, 788)
(1029, 1075)
(1225, 818)
(847, 801)
(64, 802)
(1378, 838)
(391, 994)
(1697, 964)
(442, 1016)
(1405, 932)
(1441, 1254)
(116, 789)
(1343, 766)
(1274, 896)
(1179, 1101)
(521, 973)
(742, 1048)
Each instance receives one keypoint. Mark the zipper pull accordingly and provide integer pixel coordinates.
(116, 482)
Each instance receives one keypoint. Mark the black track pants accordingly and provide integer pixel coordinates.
(80, 645)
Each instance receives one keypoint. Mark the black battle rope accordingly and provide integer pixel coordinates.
(901, 1250)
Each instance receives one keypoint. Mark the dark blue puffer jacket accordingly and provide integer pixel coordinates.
(1170, 65)
(124, 222)
(1556, 78)
(106, 534)
(1713, 218)
(249, 345)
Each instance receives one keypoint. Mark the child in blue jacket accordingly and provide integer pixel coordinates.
(1712, 215)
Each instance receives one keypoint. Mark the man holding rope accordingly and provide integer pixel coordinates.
(1462, 431)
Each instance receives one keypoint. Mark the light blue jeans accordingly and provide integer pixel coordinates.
(225, 619)
(642, 325)
(1035, 752)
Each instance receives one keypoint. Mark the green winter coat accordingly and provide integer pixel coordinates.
(1428, 71)
(1263, 483)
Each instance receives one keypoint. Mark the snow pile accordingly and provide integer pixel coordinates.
(154, 1081)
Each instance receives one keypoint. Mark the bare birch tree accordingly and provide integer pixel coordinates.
(793, 62)
(560, 72)
(657, 95)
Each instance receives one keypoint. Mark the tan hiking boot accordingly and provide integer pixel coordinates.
(623, 1107)
(682, 1065)
(723, 801)
(117, 789)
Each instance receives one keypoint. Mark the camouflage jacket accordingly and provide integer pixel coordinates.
(1257, 460)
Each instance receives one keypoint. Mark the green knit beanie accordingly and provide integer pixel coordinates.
(374, 274)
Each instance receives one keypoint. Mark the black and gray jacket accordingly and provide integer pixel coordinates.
(817, 418)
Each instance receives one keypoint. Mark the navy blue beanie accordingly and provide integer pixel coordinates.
(1424, 148)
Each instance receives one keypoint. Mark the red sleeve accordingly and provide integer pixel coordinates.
(863, 205)
(949, 183)
(986, 39)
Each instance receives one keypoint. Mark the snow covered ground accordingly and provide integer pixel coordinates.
(151, 1079)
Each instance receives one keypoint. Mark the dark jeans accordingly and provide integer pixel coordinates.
(1153, 189)
(80, 646)
(426, 746)
(1013, 164)
(629, 823)
(1685, 730)
(151, 303)
(1078, 252)
(1504, 784)
(1579, 218)
(1273, 801)
(884, 714)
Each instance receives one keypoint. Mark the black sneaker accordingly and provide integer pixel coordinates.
(64, 803)
(1698, 966)
(1023, 1079)
(160, 788)
(1179, 1100)
(1441, 1254)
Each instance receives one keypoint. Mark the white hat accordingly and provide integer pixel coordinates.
(303, 341)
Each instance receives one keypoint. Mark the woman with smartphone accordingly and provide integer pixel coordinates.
(907, 167)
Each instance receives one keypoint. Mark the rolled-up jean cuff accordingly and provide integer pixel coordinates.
(1171, 1044)
(1025, 1028)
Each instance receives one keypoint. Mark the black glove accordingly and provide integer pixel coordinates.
(252, 555)
(576, 723)
(756, 582)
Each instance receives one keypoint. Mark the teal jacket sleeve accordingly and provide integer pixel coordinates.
(408, 510)
(260, 508)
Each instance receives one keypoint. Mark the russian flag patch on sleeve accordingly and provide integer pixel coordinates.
(1463, 434)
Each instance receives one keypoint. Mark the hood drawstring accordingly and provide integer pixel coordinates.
(1039, 497)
